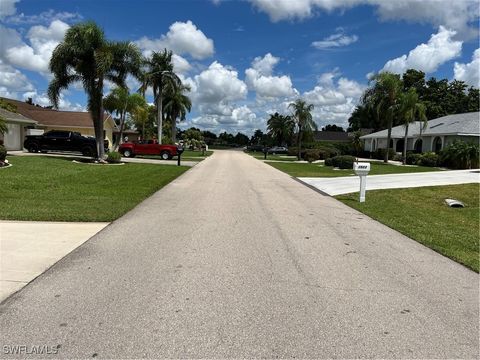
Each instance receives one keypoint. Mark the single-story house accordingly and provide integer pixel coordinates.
(333, 136)
(16, 129)
(47, 119)
(438, 134)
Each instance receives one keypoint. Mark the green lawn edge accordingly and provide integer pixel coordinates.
(41, 188)
(421, 214)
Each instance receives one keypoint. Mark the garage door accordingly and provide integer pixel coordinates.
(13, 138)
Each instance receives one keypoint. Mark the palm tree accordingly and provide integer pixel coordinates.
(122, 103)
(280, 127)
(86, 56)
(385, 95)
(176, 105)
(357, 142)
(158, 75)
(303, 120)
(410, 109)
(3, 126)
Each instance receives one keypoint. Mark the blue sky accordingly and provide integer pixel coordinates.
(247, 59)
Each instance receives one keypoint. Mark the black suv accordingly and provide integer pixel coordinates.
(56, 140)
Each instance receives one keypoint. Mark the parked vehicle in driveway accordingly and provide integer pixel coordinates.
(57, 140)
(150, 147)
(278, 150)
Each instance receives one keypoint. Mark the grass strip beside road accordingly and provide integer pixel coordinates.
(421, 214)
(261, 156)
(319, 170)
(56, 189)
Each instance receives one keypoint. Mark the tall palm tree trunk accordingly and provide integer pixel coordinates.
(299, 143)
(389, 137)
(404, 158)
(159, 117)
(174, 128)
(98, 125)
(122, 127)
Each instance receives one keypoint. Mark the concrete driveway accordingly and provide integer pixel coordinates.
(28, 248)
(349, 184)
(235, 259)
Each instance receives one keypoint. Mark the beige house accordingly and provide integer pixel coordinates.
(48, 119)
(16, 129)
(438, 134)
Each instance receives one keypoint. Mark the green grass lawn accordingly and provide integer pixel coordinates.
(319, 170)
(56, 189)
(260, 156)
(187, 155)
(421, 214)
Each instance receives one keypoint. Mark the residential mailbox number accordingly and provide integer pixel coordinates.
(362, 170)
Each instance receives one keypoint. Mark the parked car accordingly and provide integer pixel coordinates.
(57, 140)
(278, 150)
(255, 148)
(149, 147)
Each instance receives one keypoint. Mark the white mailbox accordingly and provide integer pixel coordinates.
(362, 169)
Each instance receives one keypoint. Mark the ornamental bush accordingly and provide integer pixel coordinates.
(460, 155)
(342, 161)
(3, 153)
(114, 157)
(380, 154)
(428, 159)
(412, 158)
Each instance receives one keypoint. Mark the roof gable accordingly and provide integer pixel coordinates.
(52, 118)
(457, 124)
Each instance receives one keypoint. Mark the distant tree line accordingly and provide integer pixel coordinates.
(440, 98)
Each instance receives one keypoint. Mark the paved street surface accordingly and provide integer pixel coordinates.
(28, 248)
(349, 184)
(236, 259)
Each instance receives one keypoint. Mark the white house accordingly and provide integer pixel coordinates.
(438, 134)
(16, 125)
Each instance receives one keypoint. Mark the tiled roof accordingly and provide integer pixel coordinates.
(330, 136)
(50, 117)
(458, 124)
(15, 117)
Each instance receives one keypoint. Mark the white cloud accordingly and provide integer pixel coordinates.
(8, 38)
(219, 83)
(455, 14)
(334, 100)
(180, 64)
(469, 72)
(182, 38)
(259, 78)
(334, 41)
(12, 80)
(45, 17)
(7, 8)
(428, 57)
(43, 41)
(43, 100)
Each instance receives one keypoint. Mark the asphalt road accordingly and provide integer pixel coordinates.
(236, 259)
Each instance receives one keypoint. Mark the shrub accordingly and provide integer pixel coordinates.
(114, 157)
(413, 158)
(311, 155)
(380, 154)
(3, 153)
(460, 155)
(428, 159)
(342, 161)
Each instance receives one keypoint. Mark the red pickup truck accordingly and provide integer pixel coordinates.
(150, 147)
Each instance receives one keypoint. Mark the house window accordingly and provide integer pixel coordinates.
(418, 146)
(437, 144)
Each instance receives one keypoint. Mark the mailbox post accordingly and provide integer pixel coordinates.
(180, 150)
(362, 169)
